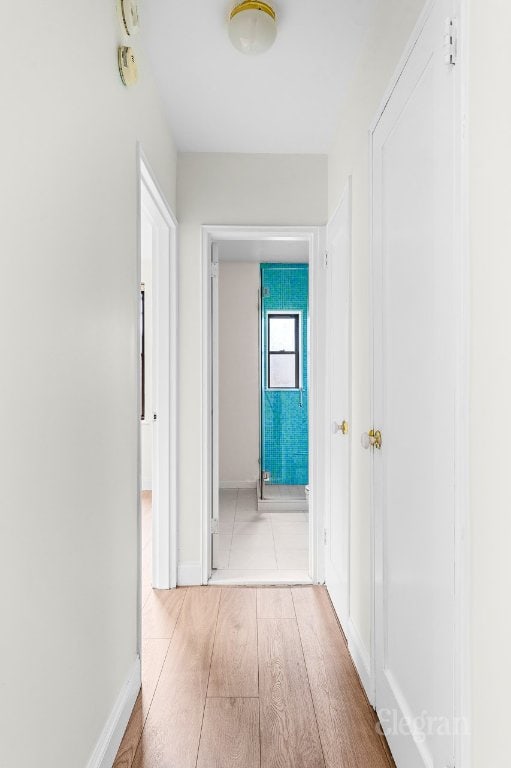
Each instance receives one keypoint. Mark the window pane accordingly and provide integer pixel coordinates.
(282, 371)
(282, 334)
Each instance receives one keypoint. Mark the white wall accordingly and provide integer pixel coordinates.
(490, 382)
(238, 357)
(226, 189)
(69, 313)
(384, 45)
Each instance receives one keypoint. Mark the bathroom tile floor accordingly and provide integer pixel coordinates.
(259, 547)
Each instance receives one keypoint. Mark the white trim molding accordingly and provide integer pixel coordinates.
(339, 293)
(189, 574)
(153, 205)
(361, 659)
(462, 576)
(109, 741)
(238, 484)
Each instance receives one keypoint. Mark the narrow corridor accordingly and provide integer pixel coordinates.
(247, 677)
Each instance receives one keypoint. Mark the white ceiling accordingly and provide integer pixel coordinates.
(293, 251)
(288, 99)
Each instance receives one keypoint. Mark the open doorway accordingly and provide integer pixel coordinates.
(260, 525)
(157, 386)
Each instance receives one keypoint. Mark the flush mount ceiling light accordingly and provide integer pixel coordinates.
(252, 27)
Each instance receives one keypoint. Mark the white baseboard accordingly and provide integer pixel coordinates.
(146, 485)
(111, 736)
(189, 574)
(275, 505)
(242, 484)
(361, 659)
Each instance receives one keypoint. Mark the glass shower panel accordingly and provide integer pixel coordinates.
(284, 379)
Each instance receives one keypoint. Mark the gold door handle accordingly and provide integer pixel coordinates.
(371, 439)
(343, 427)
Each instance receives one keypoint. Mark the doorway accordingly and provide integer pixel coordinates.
(259, 524)
(157, 301)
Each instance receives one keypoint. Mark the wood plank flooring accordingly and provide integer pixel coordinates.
(246, 677)
(275, 603)
(171, 734)
(335, 687)
(234, 669)
(230, 734)
(153, 656)
(289, 732)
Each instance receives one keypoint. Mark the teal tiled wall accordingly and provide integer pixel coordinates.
(285, 432)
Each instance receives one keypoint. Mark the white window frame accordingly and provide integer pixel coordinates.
(300, 351)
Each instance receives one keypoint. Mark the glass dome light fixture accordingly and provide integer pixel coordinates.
(252, 27)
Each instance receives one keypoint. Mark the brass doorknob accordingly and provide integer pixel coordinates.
(371, 439)
(343, 427)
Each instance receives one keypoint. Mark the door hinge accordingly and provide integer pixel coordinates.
(451, 42)
(213, 269)
(214, 525)
(325, 260)
(325, 536)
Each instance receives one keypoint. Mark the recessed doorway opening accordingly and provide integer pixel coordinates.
(259, 521)
(157, 296)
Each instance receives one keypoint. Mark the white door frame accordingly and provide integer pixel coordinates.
(165, 318)
(315, 236)
(342, 601)
(462, 662)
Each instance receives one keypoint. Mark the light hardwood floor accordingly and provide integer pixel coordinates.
(246, 677)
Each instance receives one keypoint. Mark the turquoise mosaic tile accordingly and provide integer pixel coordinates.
(285, 432)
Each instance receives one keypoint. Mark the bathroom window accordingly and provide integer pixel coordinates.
(284, 350)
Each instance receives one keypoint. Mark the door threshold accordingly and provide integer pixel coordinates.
(280, 503)
(276, 505)
(259, 578)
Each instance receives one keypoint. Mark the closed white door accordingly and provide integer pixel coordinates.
(337, 545)
(163, 575)
(414, 402)
(159, 247)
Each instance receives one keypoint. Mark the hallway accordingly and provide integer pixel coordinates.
(242, 677)
(255, 258)
(248, 677)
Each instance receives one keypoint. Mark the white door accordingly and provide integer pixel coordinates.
(414, 403)
(160, 401)
(338, 534)
(161, 241)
